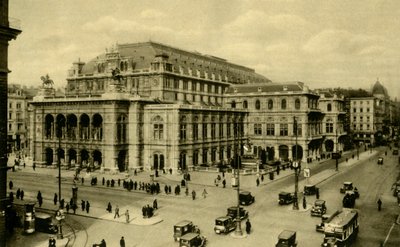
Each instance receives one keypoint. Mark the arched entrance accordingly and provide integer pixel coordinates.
(270, 153)
(298, 154)
(84, 157)
(122, 160)
(49, 125)
(61, 155)
(49, 156)
(263, 156)
(329, 145)
(97, 159)
(158, 161)
(283, 152)
(72, 156)
(182, 161)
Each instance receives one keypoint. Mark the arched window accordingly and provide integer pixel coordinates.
(258, 105)
(297, 104)
(270, 104)
(245, 104)
(121, 128)
(233, 104)
(283, 104)
(329, 107)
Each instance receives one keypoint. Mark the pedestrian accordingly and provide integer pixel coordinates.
(12, 197)
(258, 182)
(10, 185)
(304, 202)
(74, 207)
(82, 180)
(317, 193)
(122, 242)
(262, 177)
(248, 226)
(119, 182)
(52, 242)
(67, 207)
(62, 203)
(39, 198)
(223, 183)
(87, 206)
(193, 194)
(116, 212)
(18, 194)
(83, 205)
(34, 166)
(155, 204)
(55, 199)
(103, 243)
(379, 202)
(278, 169)
(127, 216)
(24, 165)
(205, 192)
(109, 207)
(22, 195)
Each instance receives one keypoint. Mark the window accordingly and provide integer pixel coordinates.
(354, 126)
(205, 130)
(228, 130)
(297, 104)
(270, 129)
(361, 109)
(283, 128)
(213, 126)
(270, 104)
(9, 115)
(233, 104)
(10, 105)
(283, 104)
(257, 129)
(299, 129)
(121, 129)
(245, 104)
(367, 108)
(368, 117)
(329, 127)
(221, 130)
(195, 131)
(361, 126)
(205, 151)
(158, 130)
(354, 119)
(196, 157)
(329, 107)
(9, 127)
(258, 105)
(361, 119)
(368, 126)
(213, 154)
(182, 133)
(354, 110)
(18, 105)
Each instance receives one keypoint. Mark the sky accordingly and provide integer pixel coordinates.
(341, 43)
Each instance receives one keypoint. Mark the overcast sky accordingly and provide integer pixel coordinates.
(322, 43)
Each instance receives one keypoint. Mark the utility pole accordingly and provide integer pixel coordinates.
(296, 166)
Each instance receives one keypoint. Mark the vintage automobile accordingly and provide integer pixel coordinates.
(192, 240)
(396, 188)
(380, 161)
(319, 208)
(321, 226)
(246, 198)
(285, 198)
(183, 227)
(45, 223)
(224, 224)
(348, 186)
(310, 189)
(349, 199)
(232, 212)
(287, 238)
(329, 242)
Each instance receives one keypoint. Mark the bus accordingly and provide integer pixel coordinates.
(342, 229)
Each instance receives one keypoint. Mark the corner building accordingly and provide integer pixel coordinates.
(141, 106)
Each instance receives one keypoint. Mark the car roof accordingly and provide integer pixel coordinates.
(285, 234)
(347, 182)
(183, 223)
(244, 192)
(223, 218)
(284, 193)
(319, 201)
(189, 236)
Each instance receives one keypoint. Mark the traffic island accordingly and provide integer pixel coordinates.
(235, 234)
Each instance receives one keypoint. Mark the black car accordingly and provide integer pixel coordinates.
(285, 198)
(246, 198)
(232, 212)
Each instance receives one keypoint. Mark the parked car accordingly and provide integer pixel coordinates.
(319, 208)
(310, 189)
(45, 223)
(380, 161)
(285, 198)
(246, 198)
(183, 227)
(232, 212)
(224, 224)
(287, 238)
(192, 240)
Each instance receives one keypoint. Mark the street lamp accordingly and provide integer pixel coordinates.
(337, 154)
(60, 124)
(295, 166)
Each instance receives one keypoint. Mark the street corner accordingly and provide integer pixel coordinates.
(141, 221)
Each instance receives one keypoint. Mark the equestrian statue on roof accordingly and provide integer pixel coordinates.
(47, 82)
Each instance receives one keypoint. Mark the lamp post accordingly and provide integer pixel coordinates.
(60, 123)
(295, 166)
(337, 154)
(238, 231)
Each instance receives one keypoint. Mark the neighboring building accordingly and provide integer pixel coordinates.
(18, 121)
(273, 109)
(141, 106)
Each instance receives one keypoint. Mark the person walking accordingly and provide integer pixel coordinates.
(10, 185)
(205, 193)
(55, 199)
(67, 207)
(155, 204)
(87, 206)
(34, 166)
(74, 207)
(258, 182)
(379, 202)
(22, 195)
(39, 198)
(109, 207)
(122, 242)
(127, 216)
(304, 202)
(248, 226)
(116, 212)
(223, 183)
(83, 205)
(18, 193)
(193, 194)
